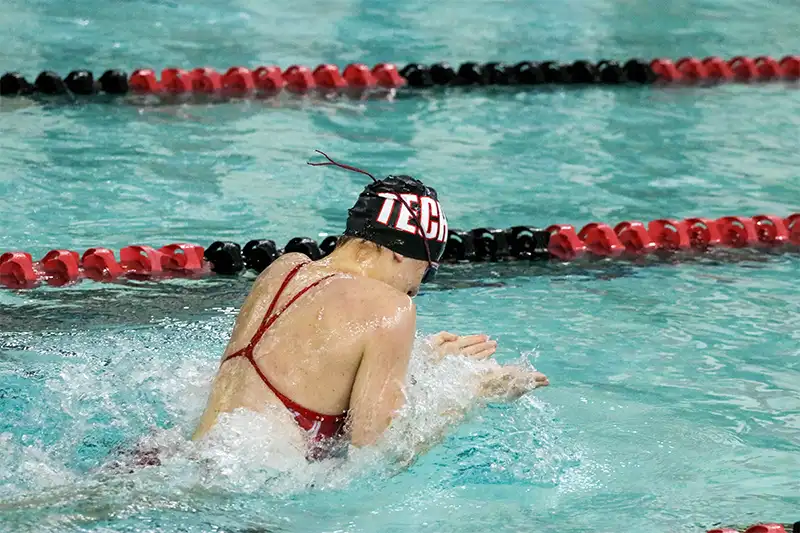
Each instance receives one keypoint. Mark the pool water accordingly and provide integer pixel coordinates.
(674, 401)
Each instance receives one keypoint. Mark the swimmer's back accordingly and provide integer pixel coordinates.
(313, 354)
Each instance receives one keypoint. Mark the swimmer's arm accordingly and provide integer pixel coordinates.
(501, 383)
(498, 383)
(378, 389)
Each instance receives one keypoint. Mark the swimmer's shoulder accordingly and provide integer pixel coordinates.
(351, 292)
(281, 266)
(290, 260)
(372, 296)
(268, 282)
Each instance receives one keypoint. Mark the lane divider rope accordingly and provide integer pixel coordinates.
(358, 79)
(761, 528)
(558, 242)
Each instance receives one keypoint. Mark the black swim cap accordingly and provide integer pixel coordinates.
(381, 216)
(398, 212)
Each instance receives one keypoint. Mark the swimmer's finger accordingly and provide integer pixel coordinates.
(486, 354)
(470, 340)
(480, 351)
(443, 337)
(540, 379)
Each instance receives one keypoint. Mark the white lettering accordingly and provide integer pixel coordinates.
(386, 208)
(432, 220)
(443, 229)
(430, 217)
(405, 215)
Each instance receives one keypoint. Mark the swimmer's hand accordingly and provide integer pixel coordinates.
(473, 346)
(507, 383)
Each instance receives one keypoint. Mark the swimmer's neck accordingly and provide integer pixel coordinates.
(357, 261)
(351, 261)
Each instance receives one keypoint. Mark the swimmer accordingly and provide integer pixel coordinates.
(327, 343)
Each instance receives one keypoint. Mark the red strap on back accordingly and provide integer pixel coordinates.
(270, 319)
(326, 425)
(267, 322)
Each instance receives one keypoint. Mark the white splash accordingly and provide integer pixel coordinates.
(249, 451)
(246, 452)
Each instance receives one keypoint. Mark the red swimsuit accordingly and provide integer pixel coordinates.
(318, 425)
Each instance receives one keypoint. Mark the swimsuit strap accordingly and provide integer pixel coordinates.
(270, 319)
(267, 321)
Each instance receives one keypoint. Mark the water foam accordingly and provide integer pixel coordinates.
(145, 381)
(248, 452)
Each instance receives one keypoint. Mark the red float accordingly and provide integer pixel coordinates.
(703, 233)
(100, 264)
(141, 260)
(758, 528)
(16, 270)
(768, 68)
(176, 81)
(793, 225)
(744, 69)
(718, 69)
(601, 240)
(564, 242)
(64, 265)
(665, 70)
(238, 80)
(182, 257)
(669, 234)
(635, 237)
(299, 79)
(206, 80)
(387, 76)
(144, 81)
(329, 77)
(771, 230)
(790, 65)
(766, 528)
(692, 69)
(269, 79)
(358, 76)
(737, 232)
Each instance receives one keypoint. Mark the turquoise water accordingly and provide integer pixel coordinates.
(674, 401)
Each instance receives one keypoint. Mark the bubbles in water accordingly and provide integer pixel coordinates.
(249, 451)
(145, 391)
(33, 468)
